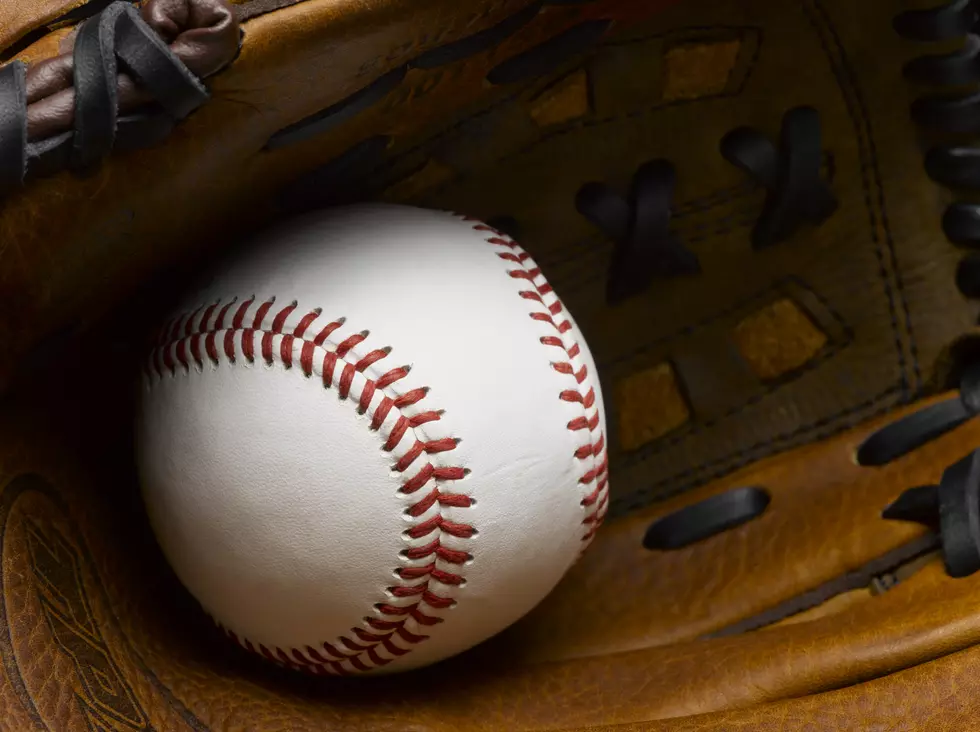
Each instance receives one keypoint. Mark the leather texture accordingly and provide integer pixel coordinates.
(103, 571)
(768, 367)
(872, 279)
(203, 34)
(437, 441)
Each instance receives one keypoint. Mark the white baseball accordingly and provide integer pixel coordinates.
(373, 441)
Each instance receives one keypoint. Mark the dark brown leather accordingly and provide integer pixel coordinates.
(878, 279)
(769, 369)
(824, 520)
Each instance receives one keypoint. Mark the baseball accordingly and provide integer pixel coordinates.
(373, 440)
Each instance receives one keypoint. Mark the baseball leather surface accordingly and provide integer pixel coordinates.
(374, 440)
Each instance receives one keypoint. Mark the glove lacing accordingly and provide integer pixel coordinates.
(118, 36)
(952, 115)
(645, 248)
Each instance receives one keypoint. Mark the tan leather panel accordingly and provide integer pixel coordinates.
(942, 695)
(778, 339)
(824, 520)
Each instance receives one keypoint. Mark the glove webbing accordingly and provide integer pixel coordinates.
(117, 35)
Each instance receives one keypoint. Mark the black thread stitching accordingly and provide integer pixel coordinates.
(643, 497)
(781, 285)
(658, 446)
(854, 101)
(872, 169)
(858, 111)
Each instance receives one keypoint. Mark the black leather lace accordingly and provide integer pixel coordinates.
(646, 249)
(639, 225)
(117, 39)
(949, 509)
(790, 173)
(953, 115)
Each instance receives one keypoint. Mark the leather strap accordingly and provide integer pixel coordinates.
(155, 67)
(117, 40)
(13, 125)
(95, 90)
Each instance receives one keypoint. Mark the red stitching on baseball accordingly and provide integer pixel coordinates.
(239, 319)
(596, 500)
(390, 625)
(181, 347)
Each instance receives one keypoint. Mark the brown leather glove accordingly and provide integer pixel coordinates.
(759, 213)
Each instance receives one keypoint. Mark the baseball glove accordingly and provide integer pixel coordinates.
(762, 216)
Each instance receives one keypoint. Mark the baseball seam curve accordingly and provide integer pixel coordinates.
(191, 340)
